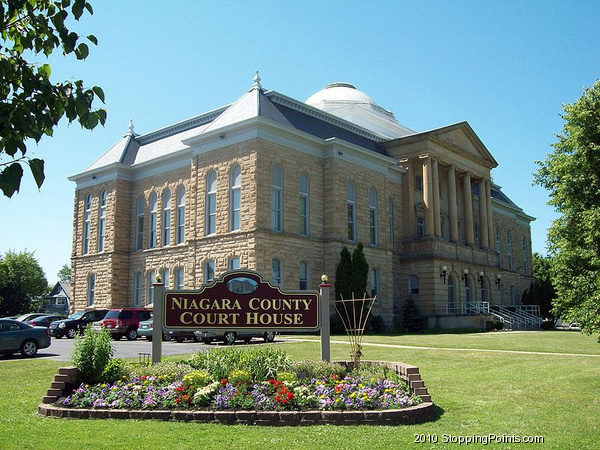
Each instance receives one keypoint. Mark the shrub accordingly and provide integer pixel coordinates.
(548, 325)
(412, 319)
(309, 369)
(494, 325)
(197, 379)
(92, 353)
(377, 324)
(114, 370)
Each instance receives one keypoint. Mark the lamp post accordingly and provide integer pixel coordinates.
(465, 277)
(443, 273)
(498, 280)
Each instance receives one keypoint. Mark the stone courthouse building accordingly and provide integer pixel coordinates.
(281, 186)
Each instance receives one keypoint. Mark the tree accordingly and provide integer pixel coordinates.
(31, 105)
(541, 291)
(360, 271)
(343, 275)
(572, 175)
(22, 282)
(64, 274)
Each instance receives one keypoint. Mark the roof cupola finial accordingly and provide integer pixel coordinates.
(130, 128)
(256, 81)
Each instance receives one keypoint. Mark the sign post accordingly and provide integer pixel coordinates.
(157, 329)
(324, 289)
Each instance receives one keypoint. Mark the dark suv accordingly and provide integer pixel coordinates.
(75, 323)
(123, 322)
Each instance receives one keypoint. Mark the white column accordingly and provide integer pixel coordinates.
(428, 196)
(452, 205)
(483, 215)
(468, 194)
(437, 219)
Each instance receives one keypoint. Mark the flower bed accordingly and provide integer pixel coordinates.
(306, 392)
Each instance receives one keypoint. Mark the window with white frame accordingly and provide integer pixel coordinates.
(211, 203)
(235, 197)
(375, 284)
(209, 271)
(413, 285)
(373, 217)
(138, 289)
(102, 221)
(164, 275)
(139, 223)
(304, 276)
(180, 232)
(303, 205)
(86, 224)
(391, 212)
(351, 207)
(276, 272)
(150, 279)
(179, 278)
(166, 218)
(152, 222)
(91, 289)
(277, 198)
(234, 263)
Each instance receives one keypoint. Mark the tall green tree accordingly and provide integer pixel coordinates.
(572, 175)
(22, 283)
(64, 274)
(541, 291)
(31, 105)
(360, 272)
(343, 275)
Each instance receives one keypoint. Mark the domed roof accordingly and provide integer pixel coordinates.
(339, 93)
(347, 102)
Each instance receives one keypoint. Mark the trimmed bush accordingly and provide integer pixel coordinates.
(92, 353)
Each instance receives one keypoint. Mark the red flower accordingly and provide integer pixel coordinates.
(223, 381)
(284, 401)
(278, 399)
(290, 395)
(179, 389)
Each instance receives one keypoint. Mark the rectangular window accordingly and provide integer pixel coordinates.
(138, 289)
(420, 227)
(150, 288)
(86, 225)
(179, 278)
(303, 215)
(510, 250)
(276, 209)
(525, 257)
(304, 276)
(276, 272)
(418, 182)
(375, 285)
(102, 221)
(391, 206)
(164, 275)
(166, 218)
(234, 263)
(91, 291)
(209, 271)
(499, 245)
(351, 223)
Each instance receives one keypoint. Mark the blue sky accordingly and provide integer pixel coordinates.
(505, 67)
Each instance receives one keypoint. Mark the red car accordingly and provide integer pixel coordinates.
(123, 322)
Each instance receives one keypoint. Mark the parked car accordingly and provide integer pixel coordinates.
(181, 336)
(29, 316)
(229, 337)
(146, 329)
(123, 322)
(75, 323)
(17, 336)
(44, 321)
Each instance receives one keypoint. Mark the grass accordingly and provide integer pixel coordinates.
(477, 393)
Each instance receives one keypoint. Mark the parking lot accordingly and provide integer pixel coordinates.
(61, 349)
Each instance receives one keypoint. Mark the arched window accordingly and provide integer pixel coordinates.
(91, 289)
(235, 197)
(276, 272)
(152, 222)
(211, 203)
(391, 207)
(139, 224)
(277, 199)
(351, 207)
(86, 224)
(483, 292)
(180, 232)
(304, 276)
(373, 217)
(166, 218)
(151, 278)
(138, 289)
(303, 205)
(102, 221)
(451, 296)
(413, 285)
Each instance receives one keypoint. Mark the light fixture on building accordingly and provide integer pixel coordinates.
(324, 278)
(443, 273)
(498, 280)
(480, 279)
(465, 277)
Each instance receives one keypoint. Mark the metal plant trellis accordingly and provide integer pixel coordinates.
(354, 313)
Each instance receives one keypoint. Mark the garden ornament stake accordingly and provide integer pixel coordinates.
(354, 313)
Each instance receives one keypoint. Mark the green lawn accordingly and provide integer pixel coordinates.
(477, 393)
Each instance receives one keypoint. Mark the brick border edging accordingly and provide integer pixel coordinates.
(422, 412)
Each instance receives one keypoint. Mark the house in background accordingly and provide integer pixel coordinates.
(58, 301)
